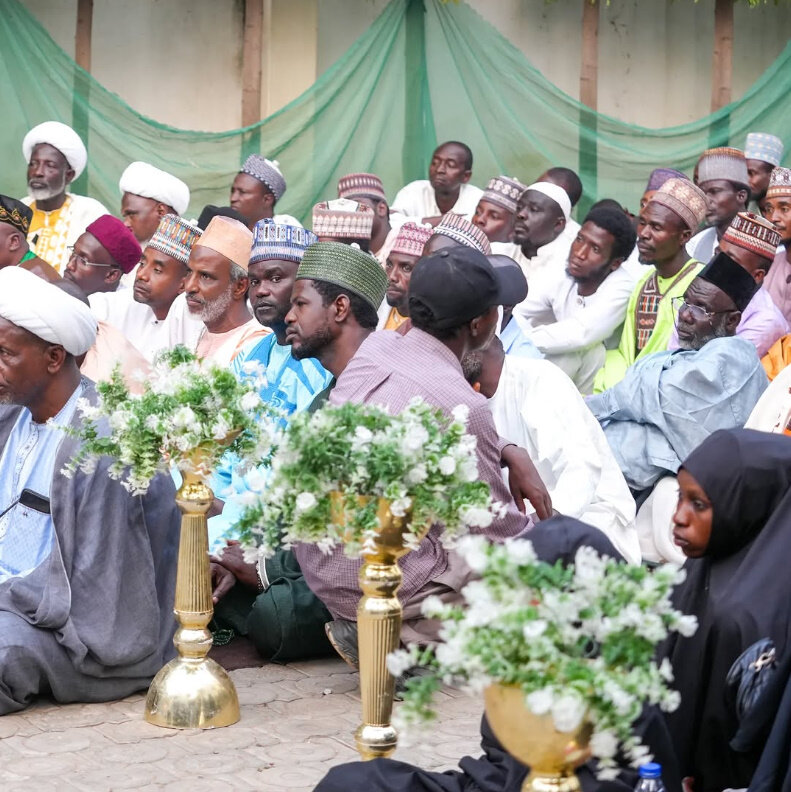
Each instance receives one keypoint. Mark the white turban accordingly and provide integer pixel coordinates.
(46, 311)
(140, 178)
(61, 137)
(557, 194)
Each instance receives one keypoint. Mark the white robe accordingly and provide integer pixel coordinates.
(416, 200)
(537, 407)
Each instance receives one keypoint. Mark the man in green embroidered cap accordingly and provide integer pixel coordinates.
(15, 251)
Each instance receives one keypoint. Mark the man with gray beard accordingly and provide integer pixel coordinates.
(55, 157)
(669, 402)
(216, 290)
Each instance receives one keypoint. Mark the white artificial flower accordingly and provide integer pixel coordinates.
(415, 438)
(520, 551)
(476, 516)
(183, 417)
(533, 629)
(250, 401)
(460, 413)
(416, 475)
(473, 549)
(666, 670)
(687, 625)
(152, 423)
(568, 710)
(468, 469)
(604, 744)
(432, 606)
(399, 661)
(399, 506)
(540, 702)
(447, 466)
(363, 434)
(305, 501)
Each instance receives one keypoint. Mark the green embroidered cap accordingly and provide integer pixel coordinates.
(345, 266)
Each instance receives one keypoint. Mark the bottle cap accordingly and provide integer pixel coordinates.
(651, 770)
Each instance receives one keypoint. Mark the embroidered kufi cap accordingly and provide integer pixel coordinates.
(345, 266)
(723, 163)
(361, 185)
(15, 213)
(280, 241)
(504, 191)
(659, 176)
(751, 232)
(229, 238)
(463, 232)
(684, 198)
(343, 219)
(61, 137)
(266, 171)
(765, 147)
(411, 239)
(175, 237)
(732, 278)
(779, 183)
(143, 179)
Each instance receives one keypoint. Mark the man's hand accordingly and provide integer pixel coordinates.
(525, 483)
(222, 580)
(232, 559)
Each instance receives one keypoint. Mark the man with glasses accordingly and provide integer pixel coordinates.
(668, 403)
(105, 251)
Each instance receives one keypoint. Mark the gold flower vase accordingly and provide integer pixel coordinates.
(378, 630)
(552, 756)
(191, 691)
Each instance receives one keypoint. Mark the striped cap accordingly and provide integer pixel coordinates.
(278, 241)
(343, 219)
(175, 237)
(267, 172)
(779, 183)
(765, 147)
(504, 191)
(753, 233)
(723, 163)
(463, 232)
(411, 239)
(684, 198)
(345, 266)
(361, 185)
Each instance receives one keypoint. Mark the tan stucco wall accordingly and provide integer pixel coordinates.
(179, 61)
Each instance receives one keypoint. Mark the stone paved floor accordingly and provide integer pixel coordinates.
(297, 721)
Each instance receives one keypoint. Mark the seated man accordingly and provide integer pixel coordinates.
(149, 312)
(669, 402)
(343, 220)
(87, 571)
(666, 223)
(763, 152)
(496, 210)
(216, 290)
(570, 314)
(778, 212)
(404, 255)
(514, 291)
(367, 189)
(257, 188)
(535, 405)
(101, 255)
(15, 251)
(447, 188)
(751, 241)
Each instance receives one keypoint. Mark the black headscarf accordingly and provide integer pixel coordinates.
(740, 591)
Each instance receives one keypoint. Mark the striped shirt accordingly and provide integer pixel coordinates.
(390, 369)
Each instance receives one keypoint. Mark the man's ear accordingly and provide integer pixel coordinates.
(615, 263)
(685, 236)
(732, 321)
(343, 308)
(113, 275)
(239, 289)
(69, 175)
(382, 209)
(466, 177)
(55, 355)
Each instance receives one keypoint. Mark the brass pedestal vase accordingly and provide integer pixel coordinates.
(379, 627)
(552, 756)
(191, 691)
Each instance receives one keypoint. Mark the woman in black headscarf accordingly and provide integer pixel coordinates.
(556, 539)
(733, 522)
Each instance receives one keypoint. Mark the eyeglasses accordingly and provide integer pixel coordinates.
(84, 261)
(698, 313)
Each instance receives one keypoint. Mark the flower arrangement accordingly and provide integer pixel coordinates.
(331, 466)
(579, 640)
(188, 412)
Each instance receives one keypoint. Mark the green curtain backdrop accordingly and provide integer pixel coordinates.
(423, 72)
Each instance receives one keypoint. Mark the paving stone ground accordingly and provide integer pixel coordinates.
(297, 722)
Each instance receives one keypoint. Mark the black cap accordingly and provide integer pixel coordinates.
(210, 211)
(513, 283)
(727, 274)
(15, 213)
(456, 284)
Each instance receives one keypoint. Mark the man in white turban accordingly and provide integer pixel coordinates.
(55, 157)
(147, 195)
(86, 569)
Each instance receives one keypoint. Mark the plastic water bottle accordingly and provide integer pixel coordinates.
(650, 778)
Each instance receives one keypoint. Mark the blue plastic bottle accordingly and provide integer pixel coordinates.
(650, 778)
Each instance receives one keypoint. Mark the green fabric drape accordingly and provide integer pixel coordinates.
(424, 71)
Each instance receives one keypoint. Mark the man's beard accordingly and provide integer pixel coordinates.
(212, 310)
(696, 344)
(312, 346)
(45, 193)
(472, 366)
